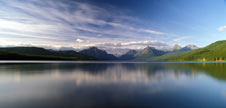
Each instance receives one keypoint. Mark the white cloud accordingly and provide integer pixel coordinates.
(79, 40)
(152, 31)
(52, 19)
(180, 39)
(221, 28)
(53, 22)
(129, 45)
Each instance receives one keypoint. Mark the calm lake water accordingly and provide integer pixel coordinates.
(112, 85)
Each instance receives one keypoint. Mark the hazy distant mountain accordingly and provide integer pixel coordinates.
(148, 53)
(41, 52)
(116, 51)
(128, 55)
(178, 48)
(189, 47)
(98, 53)
(67, 48)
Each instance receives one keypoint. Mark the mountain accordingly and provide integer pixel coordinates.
(149, 52)
(128, 55)
(98, 53)
(43, 53)
(213, 52)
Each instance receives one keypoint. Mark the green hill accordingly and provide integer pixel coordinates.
(40, 51)
(213, 52)
(36, 53)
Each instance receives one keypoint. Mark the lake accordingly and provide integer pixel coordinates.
(112, 84)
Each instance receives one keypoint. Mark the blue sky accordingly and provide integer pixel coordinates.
(111, 24)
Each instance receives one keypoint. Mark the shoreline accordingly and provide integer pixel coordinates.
(62, 61)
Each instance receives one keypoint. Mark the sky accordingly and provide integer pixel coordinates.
(111, 24)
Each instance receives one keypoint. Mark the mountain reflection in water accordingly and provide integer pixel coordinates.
(112, 85)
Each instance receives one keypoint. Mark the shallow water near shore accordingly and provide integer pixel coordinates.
(58, 84)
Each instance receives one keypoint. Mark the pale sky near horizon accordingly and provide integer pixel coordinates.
(111, 23)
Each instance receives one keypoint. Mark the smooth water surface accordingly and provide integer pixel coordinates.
(112, 85)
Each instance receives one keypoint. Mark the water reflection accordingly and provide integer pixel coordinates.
(94, 73)
(112, 85)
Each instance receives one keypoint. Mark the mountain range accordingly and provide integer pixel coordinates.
(92, 53)
(213, 52)
(148, 53)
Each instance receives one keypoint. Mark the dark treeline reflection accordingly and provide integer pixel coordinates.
(112, 85)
